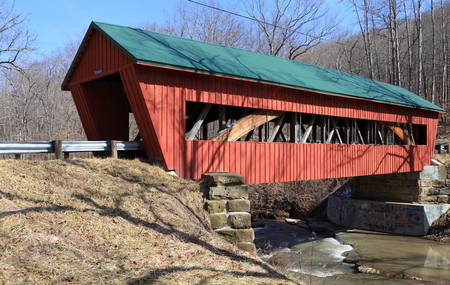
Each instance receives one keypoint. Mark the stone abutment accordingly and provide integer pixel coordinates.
(401, 203)
(229, 208)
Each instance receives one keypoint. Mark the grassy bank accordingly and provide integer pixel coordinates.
(106, 221)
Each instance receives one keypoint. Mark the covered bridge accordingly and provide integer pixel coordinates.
(202, 107)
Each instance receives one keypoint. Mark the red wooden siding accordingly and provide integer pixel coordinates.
(164, 101)
(277, 162)
(145, 118)
(165, 89)
(99, 54)
(226, 91)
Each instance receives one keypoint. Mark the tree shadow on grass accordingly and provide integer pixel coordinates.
(158, 184)
(161, 224)
(151, 277)
(50, 208)
(167, 229)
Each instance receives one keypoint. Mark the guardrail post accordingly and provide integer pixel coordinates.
(57, 146)
(113, 146)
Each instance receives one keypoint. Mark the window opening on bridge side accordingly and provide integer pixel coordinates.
(214, 122)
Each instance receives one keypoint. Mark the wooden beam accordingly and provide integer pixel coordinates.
(246, 124)
(347, 131)
(199, 122)
(399, 132)
(367, 131)
(385, 134)
(300, 129)
(411, 133)
(379, 133)
(280, 133)
(358, 132)
(295, 127)
(323, 130)
(190, 118)
(222, 117)
(334, 130)
(249, 135)
(261, 133)
(277, 128)
(309, 129)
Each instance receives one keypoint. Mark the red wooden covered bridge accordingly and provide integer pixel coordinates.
(202, 107)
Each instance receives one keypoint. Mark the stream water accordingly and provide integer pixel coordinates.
(382, 258)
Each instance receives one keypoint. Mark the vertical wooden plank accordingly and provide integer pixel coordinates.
(235, 159)
(273, 160)
(251, 165)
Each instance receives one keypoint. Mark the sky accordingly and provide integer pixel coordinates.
(57, 22)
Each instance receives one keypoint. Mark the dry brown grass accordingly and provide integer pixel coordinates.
(106, 221)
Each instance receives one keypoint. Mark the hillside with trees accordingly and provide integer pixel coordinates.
(404, 43)
(401, 42)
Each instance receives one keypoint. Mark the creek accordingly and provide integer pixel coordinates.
(353, 256)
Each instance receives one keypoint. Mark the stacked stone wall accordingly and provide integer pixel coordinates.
(428, 186)
(229, 207)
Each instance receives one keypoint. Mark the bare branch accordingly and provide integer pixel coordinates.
(15, 37)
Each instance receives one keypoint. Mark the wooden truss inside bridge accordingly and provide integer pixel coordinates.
(229, 123)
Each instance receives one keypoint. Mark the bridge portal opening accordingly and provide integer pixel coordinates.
(111, 109)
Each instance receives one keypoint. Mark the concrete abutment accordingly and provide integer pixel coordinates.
(402, 203)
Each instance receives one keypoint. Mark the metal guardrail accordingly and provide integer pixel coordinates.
(83, 146)
(10, 147)
(25, 147)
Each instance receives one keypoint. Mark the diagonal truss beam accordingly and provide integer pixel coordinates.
(309, 129)
(399, 132)
(199, 122)
(247, 124)
(277, 128)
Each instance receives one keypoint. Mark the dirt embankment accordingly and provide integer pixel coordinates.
(106, 221)
(298, 200)
(440, 229)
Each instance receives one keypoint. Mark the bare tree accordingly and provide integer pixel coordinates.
(389, 15)
(289, 28)
(409, 43)
(363, 11)
(208, 23)
(444, 57)
(433, 66)
(15, 37)
(32, 105)
(419, 26)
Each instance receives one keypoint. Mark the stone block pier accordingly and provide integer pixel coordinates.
(401, 203)
(229, 207)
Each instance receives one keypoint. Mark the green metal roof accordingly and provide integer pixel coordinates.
(164, 50)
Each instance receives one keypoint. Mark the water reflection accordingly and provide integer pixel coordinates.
(400, 256)
(436, 260)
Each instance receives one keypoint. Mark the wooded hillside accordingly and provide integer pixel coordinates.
(401, 42)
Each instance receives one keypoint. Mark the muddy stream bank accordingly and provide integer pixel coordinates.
(326, 254)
